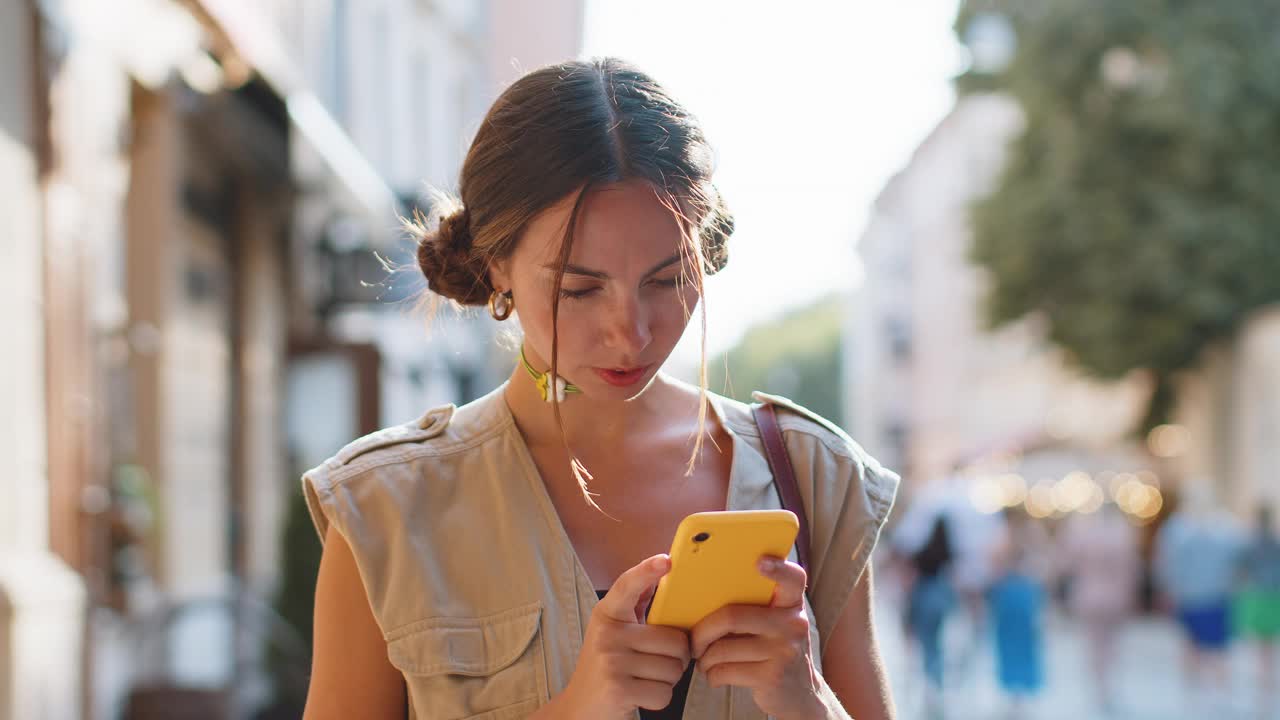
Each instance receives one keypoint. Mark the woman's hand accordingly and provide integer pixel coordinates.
(625, 664)
(765, 649)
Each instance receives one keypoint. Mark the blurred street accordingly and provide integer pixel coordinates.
(1149, 682)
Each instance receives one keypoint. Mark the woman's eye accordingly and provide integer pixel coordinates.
(585, 292)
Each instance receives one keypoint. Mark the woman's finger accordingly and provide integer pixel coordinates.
(747, 620)
(745, 648)
(791, 579)
(662, 668)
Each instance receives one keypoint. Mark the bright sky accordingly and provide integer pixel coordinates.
(812, 105)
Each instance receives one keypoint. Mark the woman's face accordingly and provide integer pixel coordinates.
(627, 293)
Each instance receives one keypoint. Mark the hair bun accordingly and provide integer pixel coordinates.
(715, 232)
(455, 230)
(447, 261)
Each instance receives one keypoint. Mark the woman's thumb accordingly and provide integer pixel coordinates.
(633, 586)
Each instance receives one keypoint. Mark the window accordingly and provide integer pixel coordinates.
(898, 335)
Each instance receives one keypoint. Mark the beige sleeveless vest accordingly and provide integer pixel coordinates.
(475, 584)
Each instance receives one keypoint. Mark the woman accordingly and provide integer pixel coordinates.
(930, 600)
(1101, 556)
(1017, 599)
(495, 560)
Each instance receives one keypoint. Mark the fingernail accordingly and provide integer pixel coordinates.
(768, 564)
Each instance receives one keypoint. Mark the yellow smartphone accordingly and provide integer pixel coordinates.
(713, 563)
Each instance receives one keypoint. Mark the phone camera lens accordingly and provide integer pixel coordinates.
(701, 537)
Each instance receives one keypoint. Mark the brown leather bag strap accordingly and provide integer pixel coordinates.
(784, 475)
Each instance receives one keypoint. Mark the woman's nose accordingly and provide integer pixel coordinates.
(628, 329)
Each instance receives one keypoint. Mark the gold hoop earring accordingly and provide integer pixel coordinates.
(501, 305)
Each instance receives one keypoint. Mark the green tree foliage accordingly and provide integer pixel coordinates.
(1138, 211)
(797, 356)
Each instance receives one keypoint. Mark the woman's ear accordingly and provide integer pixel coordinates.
(500, 275)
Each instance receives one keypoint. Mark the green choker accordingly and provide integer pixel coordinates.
(543, 381)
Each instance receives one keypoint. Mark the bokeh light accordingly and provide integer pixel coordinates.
(1169, 441)
(1040, 499)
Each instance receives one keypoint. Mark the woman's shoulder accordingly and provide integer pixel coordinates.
(821, 453)
(377, 472)
(799, 425)
(441, 432)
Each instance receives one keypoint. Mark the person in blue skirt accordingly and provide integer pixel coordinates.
(1017, 601)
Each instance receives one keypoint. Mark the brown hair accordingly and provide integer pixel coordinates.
(558, 130)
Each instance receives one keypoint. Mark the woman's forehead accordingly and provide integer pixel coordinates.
(627, 218)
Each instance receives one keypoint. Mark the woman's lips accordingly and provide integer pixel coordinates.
(622, 378)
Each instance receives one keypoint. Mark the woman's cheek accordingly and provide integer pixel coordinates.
(580, 326)
(668, 322)
(686, 301)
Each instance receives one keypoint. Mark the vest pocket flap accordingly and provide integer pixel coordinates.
(464, 646)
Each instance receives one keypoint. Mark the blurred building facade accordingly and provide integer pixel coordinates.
(1230, 408)
(193, 191)
(41, 598)
(930, 389)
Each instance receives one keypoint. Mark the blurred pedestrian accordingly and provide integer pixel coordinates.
(1017, 600)
(1100, 555)
(929, 601)
(1197, 554)
(1258, 605)
(974, 537)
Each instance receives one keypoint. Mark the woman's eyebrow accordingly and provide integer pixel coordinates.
(588, 272)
